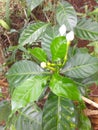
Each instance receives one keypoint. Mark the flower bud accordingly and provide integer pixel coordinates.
(62, 30)
(43, 64)
(70, 36)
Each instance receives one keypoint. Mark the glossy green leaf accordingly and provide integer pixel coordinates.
(5, 109)
(58, 48)
(38, 54)
(59, 114)
(64, 87)
(81, 65)
(49, 35)
(87, 30)
(28, 91)
(33, 3)
(65, 14)
(22, 71)
(30, 118)
(32, 33)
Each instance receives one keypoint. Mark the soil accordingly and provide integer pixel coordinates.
(94, 90)
(79, 5)
(10, 39)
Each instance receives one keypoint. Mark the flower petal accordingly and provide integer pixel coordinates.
(62, 30)
(70, 36)
(43, 64)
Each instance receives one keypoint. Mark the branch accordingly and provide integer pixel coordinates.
(90, 102)
(89, 112)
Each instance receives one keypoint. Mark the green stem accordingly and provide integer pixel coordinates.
(7, 13)
(51, 68)
(65, 58)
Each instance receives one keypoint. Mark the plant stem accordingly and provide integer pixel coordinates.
(65, 58)
(7, 13)
(34, 17)
(51, 68)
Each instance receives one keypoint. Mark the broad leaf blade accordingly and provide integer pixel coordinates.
(65, 14)
(33, 3)
(38, 54)
(32, 33)
(84, 122)
(58, 48)
(49, 35)
(91, 80)
(5, 109)
(22, 71)
(30, 118)
(28, 91)
(87, 30)
(81, 66)
(64, 87)
(59, 114)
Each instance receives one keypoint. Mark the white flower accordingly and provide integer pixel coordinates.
(43, 64)
(70, 36)
(62, 30)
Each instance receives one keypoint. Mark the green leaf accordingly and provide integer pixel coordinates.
(12, 127)
(81, 66)
(58, 48)
(64, 87)
(49, 35)
(28, 91)
(84, 122)
(32, 33)
(22, 71)
(4, 24)
(33, 3)
(91, 80)
(5, 109)
(30, 118)
(87, 30)
(59, 114)
(65, 14)
(38, 54)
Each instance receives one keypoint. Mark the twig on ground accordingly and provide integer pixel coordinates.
(90, 102)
